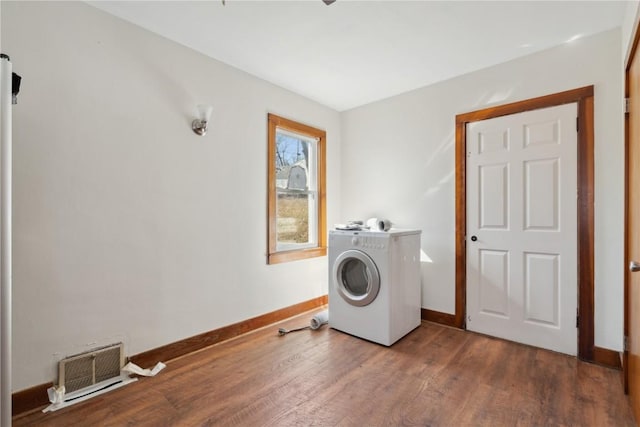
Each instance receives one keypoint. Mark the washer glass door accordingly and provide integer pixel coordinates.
(356, 278)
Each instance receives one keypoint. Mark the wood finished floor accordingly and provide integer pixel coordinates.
(435, 376)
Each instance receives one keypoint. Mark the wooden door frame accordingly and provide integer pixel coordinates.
(585, 220)
(627, 306)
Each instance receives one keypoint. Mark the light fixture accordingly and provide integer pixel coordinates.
(199, 125)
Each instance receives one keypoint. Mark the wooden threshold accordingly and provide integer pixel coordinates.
(36, 397)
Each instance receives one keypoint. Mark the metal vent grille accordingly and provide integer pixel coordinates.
(92, 367)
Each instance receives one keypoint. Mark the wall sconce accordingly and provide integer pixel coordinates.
(199, 125)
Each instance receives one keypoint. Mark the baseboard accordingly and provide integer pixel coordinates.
(189, 345)
(606, 357)
(32, 398)
(439, 317)
(35, 397)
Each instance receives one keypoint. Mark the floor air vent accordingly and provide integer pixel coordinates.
(83, 370)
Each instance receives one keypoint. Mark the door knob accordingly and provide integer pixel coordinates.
(474, 238)
(634, 266)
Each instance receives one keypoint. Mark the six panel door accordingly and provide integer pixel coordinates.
(521, 227)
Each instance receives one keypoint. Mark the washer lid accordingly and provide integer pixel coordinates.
(356, 278)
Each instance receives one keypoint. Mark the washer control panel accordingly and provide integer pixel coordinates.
(364, 240)
(368, 242)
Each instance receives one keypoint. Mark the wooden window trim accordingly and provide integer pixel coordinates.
(274, 256)
(585, 220)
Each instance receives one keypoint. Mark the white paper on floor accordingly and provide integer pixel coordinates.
(132, 368)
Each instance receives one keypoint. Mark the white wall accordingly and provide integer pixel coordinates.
(398, 161)
(126, 224)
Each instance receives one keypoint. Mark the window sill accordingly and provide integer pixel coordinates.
(295, 255)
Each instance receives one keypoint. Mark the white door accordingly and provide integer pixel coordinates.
(522, 227)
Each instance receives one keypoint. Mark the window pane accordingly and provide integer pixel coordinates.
(293, 218)
(292, 162)
(295, 206)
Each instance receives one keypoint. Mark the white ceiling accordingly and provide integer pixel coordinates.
(355, 52)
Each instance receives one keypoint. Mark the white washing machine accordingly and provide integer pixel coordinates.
(374, 283)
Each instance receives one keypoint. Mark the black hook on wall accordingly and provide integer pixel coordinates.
(15, 82)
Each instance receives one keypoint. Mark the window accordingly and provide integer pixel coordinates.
(297, 220)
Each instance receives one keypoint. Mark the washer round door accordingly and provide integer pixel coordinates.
(356, 278)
